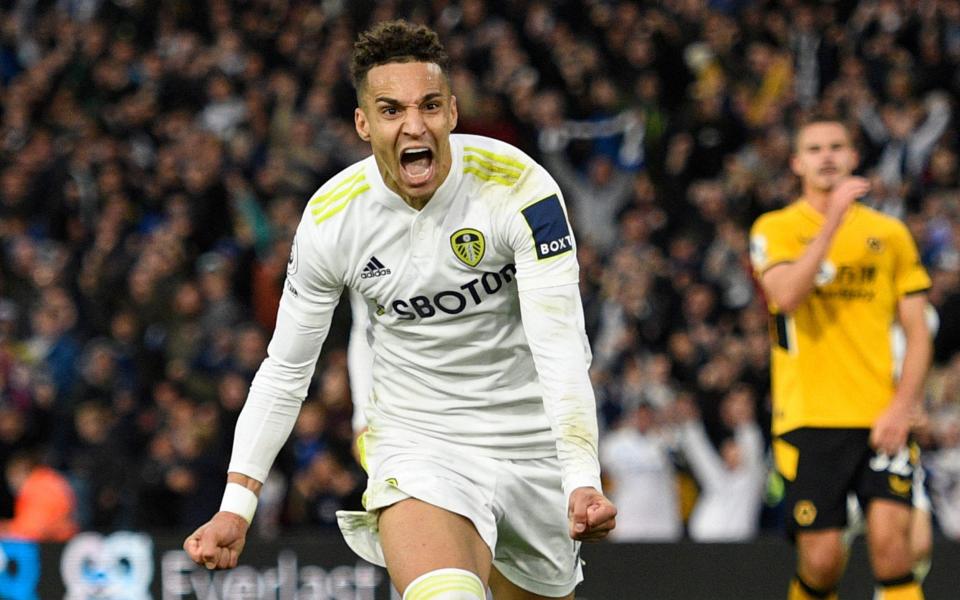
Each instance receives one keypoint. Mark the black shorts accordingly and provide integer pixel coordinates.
(820, 466)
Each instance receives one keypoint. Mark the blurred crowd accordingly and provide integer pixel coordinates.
(155, 156)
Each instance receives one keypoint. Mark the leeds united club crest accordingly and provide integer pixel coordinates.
(468, 245)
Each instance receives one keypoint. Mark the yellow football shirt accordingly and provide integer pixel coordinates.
(832, 362)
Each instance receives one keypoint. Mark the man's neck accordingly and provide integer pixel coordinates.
(416, 203)
(817, 199)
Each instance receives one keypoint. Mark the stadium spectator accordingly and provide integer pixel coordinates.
(53, 345)
(95, 466)
(329, 482)
(596, 197)
(231, 393)
(156, 500)
(944, 470)
(14, 435)
(44, 505)
(630, 310)
(184, 459)
(221, 310)
(307, 440)
(904, 135)
(194, 473)
(731, 481)
(640, 476)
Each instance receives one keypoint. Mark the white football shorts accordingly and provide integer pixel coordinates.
(518, 506)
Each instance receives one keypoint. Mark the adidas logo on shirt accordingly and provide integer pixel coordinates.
(374, 268)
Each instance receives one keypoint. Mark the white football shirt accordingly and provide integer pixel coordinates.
(644, 483)
(444, 287)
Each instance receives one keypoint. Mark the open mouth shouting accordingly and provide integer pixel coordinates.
(417, 166)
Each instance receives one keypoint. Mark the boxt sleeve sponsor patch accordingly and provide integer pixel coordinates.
(551, 234)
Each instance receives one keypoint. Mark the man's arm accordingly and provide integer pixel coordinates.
(303, 320)
(553, 324)
(552, 317)
(891, 428)
(789, 284)
(925, 137)
(265, 423)
(870, 120)
(566, 175)
(750, 439)
(707, 466)
(277, 391)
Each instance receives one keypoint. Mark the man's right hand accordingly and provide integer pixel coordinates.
(217, 544)
(844, 195)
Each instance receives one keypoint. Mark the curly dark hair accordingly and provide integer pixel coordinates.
(395, 42)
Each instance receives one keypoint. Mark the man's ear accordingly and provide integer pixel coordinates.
(361, 124)
(795, 165)
(454, 113)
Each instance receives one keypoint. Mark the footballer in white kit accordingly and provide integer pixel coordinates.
(455, 368)
(481, 447)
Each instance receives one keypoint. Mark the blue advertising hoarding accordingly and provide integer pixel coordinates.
(137, 566)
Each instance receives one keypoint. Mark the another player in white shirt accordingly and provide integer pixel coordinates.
(481, 447)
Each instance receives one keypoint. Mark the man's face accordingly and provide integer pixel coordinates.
(406, 112)
(823, 156)
(17, 473)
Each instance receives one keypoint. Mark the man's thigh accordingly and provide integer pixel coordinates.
(504, 589)
(516, 507)
(418, 537)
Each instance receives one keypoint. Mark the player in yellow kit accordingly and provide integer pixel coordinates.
(837, 275)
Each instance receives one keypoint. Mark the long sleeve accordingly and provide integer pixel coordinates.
(554, 327)
(706, 464)
(750, 440)
(872, 123)
(311, 293)
(276, 394)
(924, 138)
(552, 316)
(565, 174)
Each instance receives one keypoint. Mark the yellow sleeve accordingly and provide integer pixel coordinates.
(910, 276)
(770, 244)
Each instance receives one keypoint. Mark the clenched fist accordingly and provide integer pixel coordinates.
(217, 544)
(592, 515)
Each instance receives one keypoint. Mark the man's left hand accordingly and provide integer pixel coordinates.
(890, 430)
(592, 515)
